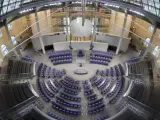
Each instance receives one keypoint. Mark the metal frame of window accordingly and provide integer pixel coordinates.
(151, 6)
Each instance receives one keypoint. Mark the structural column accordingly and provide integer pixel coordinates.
(114, 22)
(122, 33)
(83, 11)
(67, 24)
(38, 29)
(154, 31)
(95, 24)
(9, 38)
(151, 40)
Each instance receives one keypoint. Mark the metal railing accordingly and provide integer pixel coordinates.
(8, 77)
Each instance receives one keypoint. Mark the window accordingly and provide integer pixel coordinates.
(4, 50)
(13, 39)
(156, 51)
(0, 33)
(9, 26)
(66, 21)
(65, 30)
(147, 42)
(151, 28)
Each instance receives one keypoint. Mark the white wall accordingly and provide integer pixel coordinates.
(77, 45)
(113, 40)
(48, 40)
(102, 38)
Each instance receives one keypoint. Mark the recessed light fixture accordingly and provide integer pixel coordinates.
(26, 10)
(110, 5)
(133, 11)
(53, 4)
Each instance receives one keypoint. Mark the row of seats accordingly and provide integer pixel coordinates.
(114, 99)
(60, 57)
(100, 57)
(37, 103)
(137, 91)
(69, 85)
(42, 93)
(97, 83)
(69, 91)
(61, 52)
(34, 114)
(88, 92)
(108, 88)
(95, 61)
(69, 97)
(55, 116)
(127, 114)
(96, 103)
(14, 94)
(96, 109)
(28, 59)
(19, 69)
(69, 79)
(47, 91)
(116, 70)
(92, 97)
(106, 81)
(70, 104)
(45, 71)
(136, 69)
(102, 53)
(65, 110)
(115, 88)
(102, 117)
(52, 87)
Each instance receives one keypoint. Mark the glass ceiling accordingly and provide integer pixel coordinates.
(152, 6)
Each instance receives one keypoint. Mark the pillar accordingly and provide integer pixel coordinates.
(151, 40)
(38, 29)
(114, 22)
(122, 33)
(83, 11)
(9, 38)
(95, 24)
(67, 24)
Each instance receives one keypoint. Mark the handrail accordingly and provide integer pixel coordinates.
(9, 111)
(135, 103)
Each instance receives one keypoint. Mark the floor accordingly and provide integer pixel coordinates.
(91, 69)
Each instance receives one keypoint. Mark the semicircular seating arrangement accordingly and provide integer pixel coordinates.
(68, 98)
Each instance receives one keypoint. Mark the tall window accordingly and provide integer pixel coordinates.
(1, 33)
(156, 51)
(9, 26)
(151, 28)
(65, 21)
(147, 42)
(4, 50)
(13, 39)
